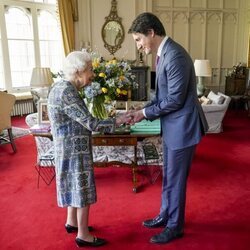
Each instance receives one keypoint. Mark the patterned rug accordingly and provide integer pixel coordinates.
(17, 133)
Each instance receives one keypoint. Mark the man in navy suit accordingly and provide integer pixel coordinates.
(182, 120)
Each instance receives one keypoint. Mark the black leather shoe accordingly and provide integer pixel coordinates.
(158, 221)
(166, 236)
(70, 229)
(95, 243)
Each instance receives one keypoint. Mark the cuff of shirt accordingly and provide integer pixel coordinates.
(144, 113)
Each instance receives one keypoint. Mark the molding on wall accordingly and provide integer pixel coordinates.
(215, 31)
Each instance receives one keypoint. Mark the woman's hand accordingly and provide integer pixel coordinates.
(125, 118)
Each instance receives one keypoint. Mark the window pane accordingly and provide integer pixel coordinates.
(21, 46)
(20, 39)
(46, 1)
(21, 62)
(52, 56)
(51, 50)
(18, 24)
(41, 1)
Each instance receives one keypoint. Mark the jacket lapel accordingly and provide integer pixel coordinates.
(160, 62)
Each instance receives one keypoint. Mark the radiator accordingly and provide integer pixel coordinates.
(23, 107)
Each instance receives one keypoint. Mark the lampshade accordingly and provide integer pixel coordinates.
(202, 68)
(41, 77)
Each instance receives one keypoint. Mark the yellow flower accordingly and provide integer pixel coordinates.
(107, 99)
(113, 61)
(104, 90)
(95, 63)
(102, 75)
(118, 91)
(122, 77)
(124, 92)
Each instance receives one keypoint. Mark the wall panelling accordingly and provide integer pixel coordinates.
(208, 29)
(217, 30)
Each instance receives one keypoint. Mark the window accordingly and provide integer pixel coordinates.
(20, 44)
(29, 37)
(1, 67)
(49, 36)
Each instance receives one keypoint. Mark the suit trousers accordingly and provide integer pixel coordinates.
(176, 166)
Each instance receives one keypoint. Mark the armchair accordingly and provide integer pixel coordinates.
(7, 102)
(45, 165)
(216, 111)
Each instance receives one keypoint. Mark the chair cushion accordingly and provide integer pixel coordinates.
(47, 159)
(216, 99)
(205, 101)
(23, 96)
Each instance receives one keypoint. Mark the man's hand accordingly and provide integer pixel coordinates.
(136, 116)
(123, 119)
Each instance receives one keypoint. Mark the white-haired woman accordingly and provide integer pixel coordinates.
(71, 126)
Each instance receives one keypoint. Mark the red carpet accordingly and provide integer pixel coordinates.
(218, 199)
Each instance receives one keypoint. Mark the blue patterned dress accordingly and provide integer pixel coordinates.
(71, 126)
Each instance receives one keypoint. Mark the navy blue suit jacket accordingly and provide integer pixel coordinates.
(176, 101)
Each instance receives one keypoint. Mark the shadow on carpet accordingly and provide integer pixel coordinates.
(17, 133)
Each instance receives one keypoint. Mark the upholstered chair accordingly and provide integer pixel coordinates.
(7, 102)
(45, 164)
(215, 108)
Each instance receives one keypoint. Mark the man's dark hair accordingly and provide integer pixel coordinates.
(145, 22)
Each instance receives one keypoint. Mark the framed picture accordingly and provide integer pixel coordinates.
(43, 112)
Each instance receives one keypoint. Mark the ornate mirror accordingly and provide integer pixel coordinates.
(112, 30)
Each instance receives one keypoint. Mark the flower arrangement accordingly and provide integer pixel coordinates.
(239, 71)
(113, 80)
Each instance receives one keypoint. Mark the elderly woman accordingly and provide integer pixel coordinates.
(71, 126)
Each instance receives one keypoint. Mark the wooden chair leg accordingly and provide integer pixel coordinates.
(12, 140)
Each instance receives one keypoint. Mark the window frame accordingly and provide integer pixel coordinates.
(33, 7)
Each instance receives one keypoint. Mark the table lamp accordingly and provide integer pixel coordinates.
(41, 80)
(202, 70)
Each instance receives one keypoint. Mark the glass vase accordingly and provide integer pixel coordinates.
(98, 109)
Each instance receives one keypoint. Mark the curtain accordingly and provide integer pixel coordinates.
(248, 61)
(67, 14)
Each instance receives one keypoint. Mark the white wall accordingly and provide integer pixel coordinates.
(217, 30)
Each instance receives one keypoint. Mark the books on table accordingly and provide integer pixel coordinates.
(146, 127)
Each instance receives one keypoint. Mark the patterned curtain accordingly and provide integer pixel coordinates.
(68, 14)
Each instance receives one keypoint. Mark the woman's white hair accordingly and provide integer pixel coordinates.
(75, 61)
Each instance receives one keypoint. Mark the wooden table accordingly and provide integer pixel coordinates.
(130, 139)
(121, 140)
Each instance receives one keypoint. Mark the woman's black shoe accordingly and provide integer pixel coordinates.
(70, 229)
(95, 243)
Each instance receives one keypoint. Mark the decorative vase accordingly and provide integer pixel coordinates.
(101, 108)
(98, 109)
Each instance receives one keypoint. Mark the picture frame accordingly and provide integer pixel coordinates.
(43, 117)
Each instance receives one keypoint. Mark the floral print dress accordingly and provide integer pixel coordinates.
(71, 126)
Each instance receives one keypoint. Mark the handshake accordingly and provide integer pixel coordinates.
(129, 118)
